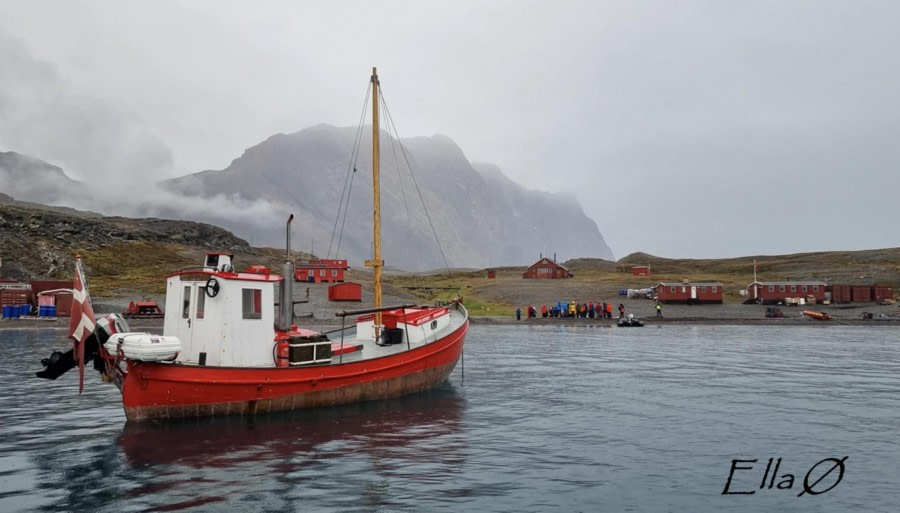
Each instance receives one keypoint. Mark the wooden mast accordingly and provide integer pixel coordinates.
(376, 263)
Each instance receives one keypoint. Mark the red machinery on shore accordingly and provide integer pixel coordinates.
(143, 310)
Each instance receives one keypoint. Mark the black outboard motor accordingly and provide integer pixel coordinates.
(58, 363)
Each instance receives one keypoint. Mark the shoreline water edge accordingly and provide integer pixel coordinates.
(859, 314)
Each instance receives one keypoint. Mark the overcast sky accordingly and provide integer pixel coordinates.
(685, 129)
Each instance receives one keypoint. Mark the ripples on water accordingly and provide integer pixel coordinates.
(546, 419)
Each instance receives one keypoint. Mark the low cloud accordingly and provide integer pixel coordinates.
(94, 139)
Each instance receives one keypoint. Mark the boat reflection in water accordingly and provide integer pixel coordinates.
(423, 428)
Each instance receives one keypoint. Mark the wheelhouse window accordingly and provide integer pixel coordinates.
(251, 303)
(186, 309)
(201, 303)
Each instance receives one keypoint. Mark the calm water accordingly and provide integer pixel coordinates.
(544, 419)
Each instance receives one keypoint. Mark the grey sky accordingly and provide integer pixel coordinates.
(685, 129)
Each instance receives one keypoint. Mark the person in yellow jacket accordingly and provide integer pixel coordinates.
(572, 309)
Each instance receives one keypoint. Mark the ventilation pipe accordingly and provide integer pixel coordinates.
(286, 319)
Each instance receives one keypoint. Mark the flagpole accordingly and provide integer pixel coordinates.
(755, 285)
(82, 320)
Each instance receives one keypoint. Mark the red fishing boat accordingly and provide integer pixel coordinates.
(228, 348)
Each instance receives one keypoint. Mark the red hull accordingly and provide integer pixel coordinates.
(159, 390)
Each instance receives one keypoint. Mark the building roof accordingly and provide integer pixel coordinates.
(548, 260)
(765, 283)
(323, 264)
(691, 284)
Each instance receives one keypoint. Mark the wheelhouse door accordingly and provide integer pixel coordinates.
(192, 319)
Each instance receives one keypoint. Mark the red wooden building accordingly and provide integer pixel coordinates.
(691, 292)
(345, 292)
(768, 292)
(321, 271)
(546, 268)
(640, 270)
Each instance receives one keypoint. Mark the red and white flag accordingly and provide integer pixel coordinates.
(82, 320)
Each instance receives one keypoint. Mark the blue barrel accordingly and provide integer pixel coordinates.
(25, 310)
(42, 311)
(6, 311)
(51, 311)
(14, 311)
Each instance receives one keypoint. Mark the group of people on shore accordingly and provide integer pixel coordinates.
(589, 310)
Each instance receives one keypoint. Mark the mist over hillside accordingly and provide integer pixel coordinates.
(481, 217)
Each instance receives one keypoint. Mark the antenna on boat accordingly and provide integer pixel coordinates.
(376, 263)
(287, 293)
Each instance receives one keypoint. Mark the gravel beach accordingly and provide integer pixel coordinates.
(728, 313)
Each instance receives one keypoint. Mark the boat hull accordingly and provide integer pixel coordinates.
(163, 390)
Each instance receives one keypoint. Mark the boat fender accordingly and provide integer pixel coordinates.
(283, 353)
(212, 287)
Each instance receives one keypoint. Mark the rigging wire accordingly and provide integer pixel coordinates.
(348, 181)
(390, 120)
(344, 203)
(394, 137)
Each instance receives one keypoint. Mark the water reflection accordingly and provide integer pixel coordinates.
(378, 428)
(335, 455)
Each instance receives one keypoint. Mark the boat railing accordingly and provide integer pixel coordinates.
(346, 313)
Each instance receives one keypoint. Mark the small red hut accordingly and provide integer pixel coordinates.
(345, 292)
(640, 270)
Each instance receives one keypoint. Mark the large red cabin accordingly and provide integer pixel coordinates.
(321, 271)
(690, 292)
(770, 292)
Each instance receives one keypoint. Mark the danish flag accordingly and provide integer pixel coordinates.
(82, 320)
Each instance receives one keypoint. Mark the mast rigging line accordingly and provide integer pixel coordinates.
(344, 204)
(351, 174)
(340, 218)
(390, 123)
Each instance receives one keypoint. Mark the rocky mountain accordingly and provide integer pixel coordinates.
(31, 179)
(480, 218)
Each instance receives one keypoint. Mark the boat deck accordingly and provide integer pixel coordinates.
(369, 349)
